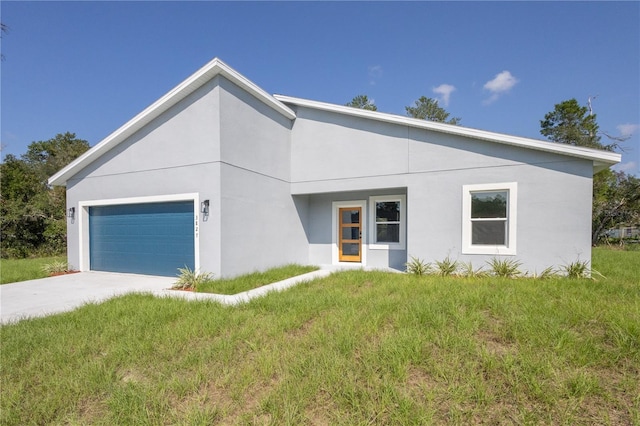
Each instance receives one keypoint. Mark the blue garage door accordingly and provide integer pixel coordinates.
(153, 239)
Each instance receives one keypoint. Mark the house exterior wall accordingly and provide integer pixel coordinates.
(274, 185)
(328, 146)
(553, 191)
(177, 153)
(260, 227)
(553, 214)
(321, 229)
(554, 199)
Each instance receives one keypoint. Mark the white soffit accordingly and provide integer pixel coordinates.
(601, 159)
(175, 95)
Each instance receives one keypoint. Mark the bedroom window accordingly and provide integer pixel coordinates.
(489, 219)
(388, 222)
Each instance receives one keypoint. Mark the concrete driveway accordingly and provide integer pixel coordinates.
(66, 292)
(46, 296)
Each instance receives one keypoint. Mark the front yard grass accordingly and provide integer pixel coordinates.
(14, 270)
(354, 348)
(253, 280)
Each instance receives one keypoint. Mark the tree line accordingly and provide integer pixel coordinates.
(33, 214)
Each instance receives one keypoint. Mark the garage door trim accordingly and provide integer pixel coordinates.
(83, 220)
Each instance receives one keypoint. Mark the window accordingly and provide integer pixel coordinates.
(489, 218)
(388, 222)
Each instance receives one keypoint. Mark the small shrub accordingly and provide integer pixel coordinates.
(579, 269)
(466, 270)
(190, 279)
(55, 268)
(547, 273)
(446, 267)
(418, 266)
(506, 268)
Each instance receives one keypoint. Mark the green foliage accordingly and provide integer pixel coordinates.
(55, 267)
(418, 267)
(428, 109)
(579, 269)
(189, 279)
(546, 273)
(254, 280)
(616, 201)
(15, 270)
(571, 124)
(362, 102)
(616, 196)
(489, 204)
(505, 268)
(466, 270)
(32, 214)
(446, 267)
(48, 157)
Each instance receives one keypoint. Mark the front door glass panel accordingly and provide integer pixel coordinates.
(350, 235)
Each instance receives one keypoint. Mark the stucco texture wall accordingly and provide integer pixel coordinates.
(553, 191)
(176, 153)
(260, 226)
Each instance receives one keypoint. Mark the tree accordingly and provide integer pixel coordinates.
(362, 102)
(616, 196)
(22, 227)
(428, 109)
(570, 123)
(32, 213)
(616, 201)
(48, 157)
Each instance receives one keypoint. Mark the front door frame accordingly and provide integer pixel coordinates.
(336, 206)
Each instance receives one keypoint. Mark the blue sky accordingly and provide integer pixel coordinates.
(88, 67)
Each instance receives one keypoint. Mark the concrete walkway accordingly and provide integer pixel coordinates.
(46, 296)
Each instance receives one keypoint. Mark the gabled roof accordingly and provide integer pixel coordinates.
(175, 95)
(601, 159)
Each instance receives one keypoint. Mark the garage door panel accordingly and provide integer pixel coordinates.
(155, 238)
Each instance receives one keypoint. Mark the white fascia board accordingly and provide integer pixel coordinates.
(255, 90)
(175, 95)
(601, 159)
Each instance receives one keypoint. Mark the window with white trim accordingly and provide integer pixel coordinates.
(388, 223)
(489, 218)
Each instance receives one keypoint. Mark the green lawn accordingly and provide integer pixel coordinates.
(254, 280)
(354, 348)
(14, 270)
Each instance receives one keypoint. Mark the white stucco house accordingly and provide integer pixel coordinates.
(223, 177)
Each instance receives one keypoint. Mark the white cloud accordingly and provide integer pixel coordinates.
(375, 72)
(444, 90)
(501, 83)
(627, 129)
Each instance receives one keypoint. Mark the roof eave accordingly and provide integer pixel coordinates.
(601, 159)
